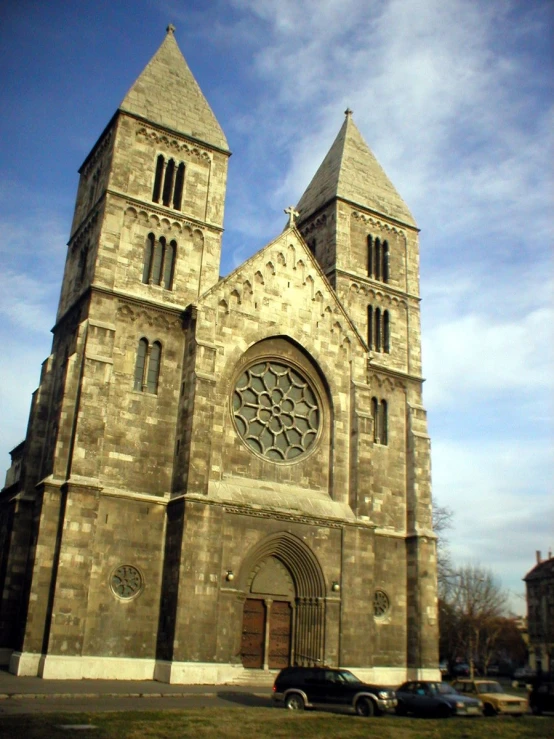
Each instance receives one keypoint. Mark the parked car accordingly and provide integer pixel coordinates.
(460, 669)
(425, 698)
(523, 676)
(306, 687)
(541, 697)
(495, 700)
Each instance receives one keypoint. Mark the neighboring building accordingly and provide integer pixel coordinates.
(539, 583)
(233, 473)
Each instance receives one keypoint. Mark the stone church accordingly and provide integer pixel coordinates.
(223, 475)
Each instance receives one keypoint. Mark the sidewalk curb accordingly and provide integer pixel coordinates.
(68, 696)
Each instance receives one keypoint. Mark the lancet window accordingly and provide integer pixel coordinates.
(378, 329)
(169, 181)
(147, 366)
(378, 259)
(379, 413)
(159, 261)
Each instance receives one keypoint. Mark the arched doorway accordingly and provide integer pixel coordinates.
(284, 610)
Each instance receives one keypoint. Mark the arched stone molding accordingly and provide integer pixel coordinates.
(150, 219)
(377, 223)
(297, 557)
(173, 144)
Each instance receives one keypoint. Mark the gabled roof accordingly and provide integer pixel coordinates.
(351, 172)
(289, 233)
(544, 569)
(167, 94)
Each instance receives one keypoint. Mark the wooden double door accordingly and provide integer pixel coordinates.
(266, 633)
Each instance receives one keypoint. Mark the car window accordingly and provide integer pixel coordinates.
(446, 689)
(349, 677)
(492, 687)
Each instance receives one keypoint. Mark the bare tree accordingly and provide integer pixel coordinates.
(478, 602)
(442, 522)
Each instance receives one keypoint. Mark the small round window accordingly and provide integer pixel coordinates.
(276, 411)
(381, 604)
(126, 582)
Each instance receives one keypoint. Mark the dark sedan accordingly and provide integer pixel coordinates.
(424, 698)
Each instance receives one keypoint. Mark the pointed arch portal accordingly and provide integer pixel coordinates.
(284, 611)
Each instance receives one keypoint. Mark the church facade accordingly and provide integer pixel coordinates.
(223, 475)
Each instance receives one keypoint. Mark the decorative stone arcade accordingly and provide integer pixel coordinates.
(284, 608)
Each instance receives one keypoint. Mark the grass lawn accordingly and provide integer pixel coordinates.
(238, 723)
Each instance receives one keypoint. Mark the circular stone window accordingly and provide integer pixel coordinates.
(126, 582)
(276, 411)
(381, 604)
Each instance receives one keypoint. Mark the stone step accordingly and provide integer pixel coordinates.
(255, 677)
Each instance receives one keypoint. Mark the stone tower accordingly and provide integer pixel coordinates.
(230, 474)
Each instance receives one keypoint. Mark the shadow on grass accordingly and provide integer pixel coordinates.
(245, 699)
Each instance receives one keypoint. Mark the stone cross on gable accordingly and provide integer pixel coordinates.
(292, 214)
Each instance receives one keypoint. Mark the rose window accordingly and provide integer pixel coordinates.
(276, 411)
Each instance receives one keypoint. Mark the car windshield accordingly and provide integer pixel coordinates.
(446, 689)
(492, 687)
(348, 677)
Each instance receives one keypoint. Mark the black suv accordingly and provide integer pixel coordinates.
(305, 687)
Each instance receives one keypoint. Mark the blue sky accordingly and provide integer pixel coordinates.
(454, 97)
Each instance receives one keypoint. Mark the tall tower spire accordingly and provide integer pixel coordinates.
(167, 94)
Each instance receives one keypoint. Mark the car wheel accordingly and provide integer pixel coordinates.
(365, 707)
(536, 710)
(444, 711)
(490, 710)
(401, 710)
(294, 702)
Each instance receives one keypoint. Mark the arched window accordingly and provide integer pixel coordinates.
(386, 332)
(159, 250)
(179, 182)
(140, 363)
(379, 414)
(147, 366)
(154, 368)
(377, 259)
(375, 416)
(383, 423)
(377, 333)
(159, 261)
(370, 326)
(160, 163)
(148, 258)
(385, 269)
(168, 182)
(169, 263)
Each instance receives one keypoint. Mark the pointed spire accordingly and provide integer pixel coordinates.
(167, 94)
(351, 172)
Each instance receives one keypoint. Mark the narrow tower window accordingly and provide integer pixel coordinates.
(386, 332)
(370, 326)
(385, 269)
(379, 414)
(377, 337)
(153, 368)
(140, 363)
(377, 259)
(147, 366)
(160, 163)
(148, 258)
(159, 250)
(383, 423)
(169, 263)
(179, 181)
(168, 182)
